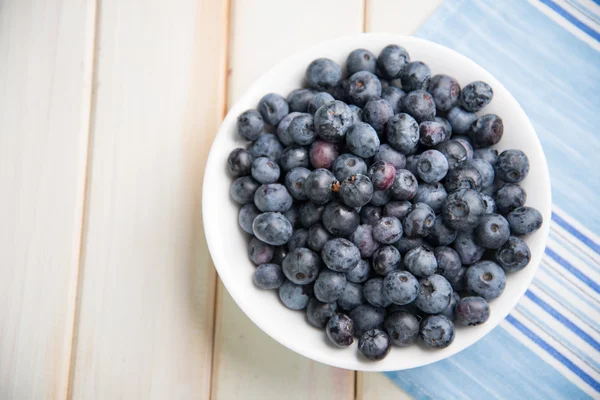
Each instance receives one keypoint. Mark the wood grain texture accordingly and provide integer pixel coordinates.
(402, 17)
(145, 322)
(249, 364)
(375, 385)
(46, 51)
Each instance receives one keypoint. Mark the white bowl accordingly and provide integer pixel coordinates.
(228, 243)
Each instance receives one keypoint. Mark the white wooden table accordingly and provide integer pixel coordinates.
(107, 112)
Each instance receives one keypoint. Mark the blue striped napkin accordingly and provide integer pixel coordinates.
(547, 54)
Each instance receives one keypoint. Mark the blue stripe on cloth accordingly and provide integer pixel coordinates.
(575, 271)
(569, 17)
(573, 231)
(584, 10)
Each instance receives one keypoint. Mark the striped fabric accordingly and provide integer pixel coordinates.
(547, 53)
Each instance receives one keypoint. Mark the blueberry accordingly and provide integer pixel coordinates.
(467, 247)
(437, 331)
(455, 153)
(374, 293)
(393, 95)
(283, 132)
(267, 145)
(514, 255)
(432, 166)
(374, 345)
(380, 197)
(298, 99)
(357, 113)
(510, 197)
(434, 295)
(421, 261)
(387, 230)
(302, 129)
(441, 234)
(512, 166)
(459, 282)
(323, 154)
(352, 297)
(415, 76)
(387, 153)
(293, 215)
(319, 100)
(447, 127)
(279, 254)
(362, 237)
(386, 259)
(398, 209)
(265, 170)
(524, 220)
(432, 194)
(347, 165)
(250, 125)
(400, 287)
(475, 96)
(471, 311)
(329, 286)
(382, 174)
(294, 297)
(242, 190)
(420, 105)
(411, 164)
(488, 154)
(402, 132)
(340, 219)
(362, 140)
(317, 237)
(246, 216)
(449, 312)
(486, 131)
(391, 60)
(323, 74)
(272, 197)
(294, 182)
(406, 243)
(463, 178)
(340, 92)
(259, 252)
(404, 186)
(445, 91)
(268, 276)
(362, 87)
(486, 279)
(493, 231)
(466, 143)
(239, 163)
(301, 266)
(463, 210)
(370, 214)
(332, 120)
(318, 186)
(299, 239)
(310, 213)
(273, 108)
(360, 273)
(486, 171)
(448, 262)
(361, 60)
(340, 330)
(318, 313)
(294, 156)
(272, 228)
(420, 221)
(340, 255)
(366, 317)
(377, 113)
(490, 204)
(402, 327)
(460, 120)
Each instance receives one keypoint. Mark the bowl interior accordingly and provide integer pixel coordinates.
(228, 243)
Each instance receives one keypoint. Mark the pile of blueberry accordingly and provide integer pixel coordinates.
(377, 203)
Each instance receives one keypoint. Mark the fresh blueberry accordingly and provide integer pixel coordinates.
(380, 197)
(362, 140)
(486, 171)
(432, 166)
(370, 214)
(317, 237)
(377, 113)
(468, 248)
(512, 166)
(265, 170)
(361, 60)
(340, 219)
(250, 125)
(318, 313)
(340, 330)
(471, 311)
(486, 279)
(295, 297)
(259, 252)
(387, 153)
(463, 210)
(299, 239)
(268, 276)
(411, 164)
(445, 91)
(493, 231)
(329, 286)
(293, 215)
(301, 266)
(463, 178)
(448, 262)
(382, 174)
(404, 186)
(475, 96)
(273, 108)
(366, 317)
(267, 145)
(323, 154)
(514, 255)
(302, 129)
(449, 312)
(310, 213)
(362, 237)
(434, 295)
(318, 186)
(415, 76)
(239, 163)
(360, 273)
(524, 220)
(279, 254)
(420, 105)
(460, 120)
(272, 228)
(454, 152)
(332, 120)
(446, 125)
(488, 154)
(387, 230)
(402, 327)
(294, 156)
(340, 255)
(323, 74)
(374, 345)
(283, 133)
(402, 132)
(437, 331)
(392, 60)
(421, 261)
(272, 197)
(490, 204)
(400, 287)
(357, 113)
(459, 282)
(246, 216)
(510, 197)
(466, 143)
(432, 194)
(420, 221)
(431, 133)
(352, 297)
(319, 100)
(441, 234)
(386, 259)
(406, 243)
(298, 99)
(362, 87)
(393, 95)
(242, 190)
(486, 131)
(398, 209)
(374, 293)
(294, 182)
(340, 92)
(347, 165)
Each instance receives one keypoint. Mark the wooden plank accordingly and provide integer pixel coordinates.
(375, 385)
(46, 51)
(145, 322)
(249, 364)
